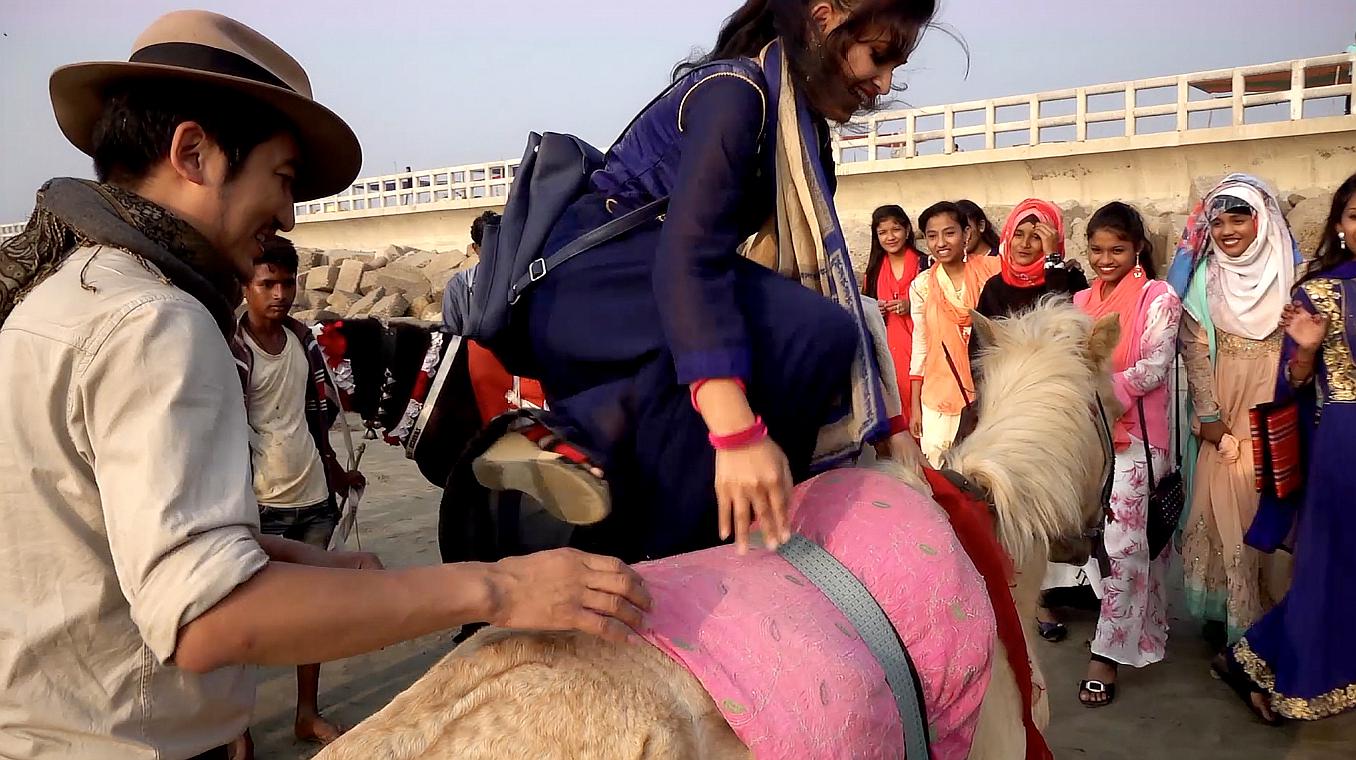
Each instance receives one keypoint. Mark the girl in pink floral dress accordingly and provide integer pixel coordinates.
(1132, 628)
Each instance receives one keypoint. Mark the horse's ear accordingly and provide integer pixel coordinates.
(1106, 333)
(984, 327)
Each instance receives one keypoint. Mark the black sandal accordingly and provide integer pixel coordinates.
(1052, 632)
(1231, 673)
(1095, 686)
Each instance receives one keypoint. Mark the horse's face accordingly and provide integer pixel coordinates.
(1038, 448)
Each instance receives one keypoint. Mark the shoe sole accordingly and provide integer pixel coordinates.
(561, 487)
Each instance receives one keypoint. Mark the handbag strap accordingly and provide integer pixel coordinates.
(956, 374)
(617, 227)
(1144, 431)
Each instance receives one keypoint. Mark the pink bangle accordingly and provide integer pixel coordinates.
(697, 386)
(746, 437)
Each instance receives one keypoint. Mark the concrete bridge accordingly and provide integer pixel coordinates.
(1152, 142)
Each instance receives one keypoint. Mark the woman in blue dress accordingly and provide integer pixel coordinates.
(700, 379)
(1296, 661)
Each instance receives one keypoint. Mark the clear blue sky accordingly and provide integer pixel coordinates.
(431, 84)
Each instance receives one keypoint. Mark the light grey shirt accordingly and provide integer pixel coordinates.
(128, 512)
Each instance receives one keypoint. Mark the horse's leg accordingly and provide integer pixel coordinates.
(511, 695)
(1000, 735)
(1026, 596)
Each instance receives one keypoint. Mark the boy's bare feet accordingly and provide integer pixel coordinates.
(314, 728)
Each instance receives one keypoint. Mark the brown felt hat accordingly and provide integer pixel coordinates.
(199, 46)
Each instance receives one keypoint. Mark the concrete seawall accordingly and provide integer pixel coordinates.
(1162, 182)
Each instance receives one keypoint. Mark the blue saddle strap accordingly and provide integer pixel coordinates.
(861, 609)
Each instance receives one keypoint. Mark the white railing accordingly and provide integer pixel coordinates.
(1117, 116)
(8, 231)
(454, 186)
(1117, 110)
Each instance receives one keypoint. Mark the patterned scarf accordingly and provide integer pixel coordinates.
(74, 213)
(804, 241)
(1256, 285)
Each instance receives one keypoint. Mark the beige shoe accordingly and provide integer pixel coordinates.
(563, 487)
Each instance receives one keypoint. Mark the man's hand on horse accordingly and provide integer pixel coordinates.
(754, 482)
(566, 589)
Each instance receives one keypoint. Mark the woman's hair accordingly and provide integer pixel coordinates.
(944, 207)
(1125, 221)
(877, 257)
(975, 214)
(815, 61)
(1331, 250)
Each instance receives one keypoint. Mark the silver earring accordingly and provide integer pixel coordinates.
(1342, 239)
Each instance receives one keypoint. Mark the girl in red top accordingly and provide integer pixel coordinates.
(893, 264)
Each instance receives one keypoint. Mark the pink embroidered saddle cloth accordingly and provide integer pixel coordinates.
(788, 670)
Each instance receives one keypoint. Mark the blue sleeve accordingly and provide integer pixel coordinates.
(694, 279)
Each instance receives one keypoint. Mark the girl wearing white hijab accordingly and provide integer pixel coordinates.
(1234, 270)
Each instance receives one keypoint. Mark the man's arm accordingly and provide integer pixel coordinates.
(290, 614)
(167, 434)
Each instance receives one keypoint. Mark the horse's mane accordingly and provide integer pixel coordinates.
(1037, 449)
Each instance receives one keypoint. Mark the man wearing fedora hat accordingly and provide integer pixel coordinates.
(139, 590)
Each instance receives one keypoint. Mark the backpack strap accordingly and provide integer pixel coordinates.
(615, 228)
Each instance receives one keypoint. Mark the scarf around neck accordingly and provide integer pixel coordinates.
(804, 241)
(1255, 286)
(1125, 302)
(73, 213)
(946, 322)
(1030, 275)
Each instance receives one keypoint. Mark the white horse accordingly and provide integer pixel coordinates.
(1037, 453)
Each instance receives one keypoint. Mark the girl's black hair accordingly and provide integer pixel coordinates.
(816, 61)
(944, 207)
(877, 257)
(1124, 220)
(976, 214)
(1331, 249)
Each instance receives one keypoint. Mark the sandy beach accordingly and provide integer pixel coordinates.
(1171, 710)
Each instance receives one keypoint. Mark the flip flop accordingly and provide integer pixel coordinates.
(1242, 684)
(537, 462)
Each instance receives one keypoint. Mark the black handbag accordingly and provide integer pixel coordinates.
(1167, 497)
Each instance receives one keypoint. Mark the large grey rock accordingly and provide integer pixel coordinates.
(317, 299)
(393, 305)
(392, 252)
(1307, 220)
(319, 278)
(411, 282)
(351, 273)
(302, 300)
(315, 315)
(418, 305)
(341, 301)
(365, 304)
(416, 259)
(430, 313)
(308, 258)
(338, 256)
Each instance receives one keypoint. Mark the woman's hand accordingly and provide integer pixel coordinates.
(1213, 431)
(754, 482)
(1050, 239)
(1304, 327)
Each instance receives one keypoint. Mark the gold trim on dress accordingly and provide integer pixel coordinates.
(1326, 295)
(1237, 345)
(1337, 701)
